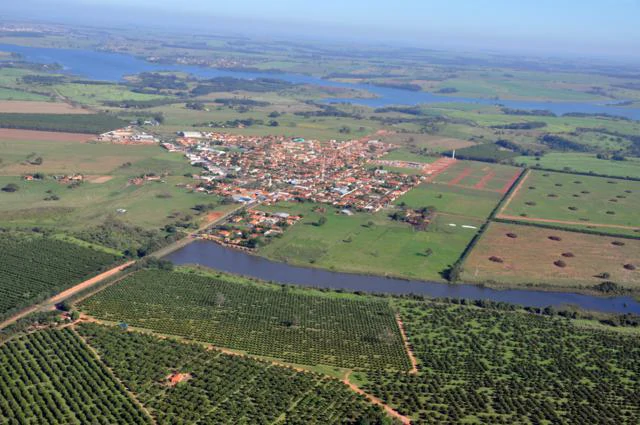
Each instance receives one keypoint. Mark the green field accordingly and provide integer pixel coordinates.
(497, 367)
(11, 94)
(452, 200)
(470, 174)
(371, 243)
(297, 327)
(71, 123)
(577, 199)
(34, 267)
(223, 388)
(584, 163)
(51, 377)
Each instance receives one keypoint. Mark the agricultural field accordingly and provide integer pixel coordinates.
(509, 254)
(371, 243)
(212, 387)
(33, 267)
(452, 200)
(12, 95)
(584, 163)
(488, 366)
(296, 326)
(480, 176)
(569, 199)
(33, 107)
(70, 123)
(51, 377)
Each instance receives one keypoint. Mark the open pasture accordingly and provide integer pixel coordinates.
(570, 199)
(584, 163)
(303, 327)
(452, 200)
(371, 243)
(528, 255)
(480, 176)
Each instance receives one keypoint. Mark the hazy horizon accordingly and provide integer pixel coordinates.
(569, 27)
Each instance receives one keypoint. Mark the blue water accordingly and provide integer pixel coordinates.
(113, 67)
(212, 255)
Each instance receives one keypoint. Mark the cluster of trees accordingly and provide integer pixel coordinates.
(229, 84)
(33, 267)
(221, 388)
(51, 377)
(366, 337)
(71, 123)
(486, 152)
(133, 241)
(501, 367)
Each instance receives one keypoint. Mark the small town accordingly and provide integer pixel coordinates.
(268, 169)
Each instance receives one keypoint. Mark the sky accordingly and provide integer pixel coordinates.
(572, 27)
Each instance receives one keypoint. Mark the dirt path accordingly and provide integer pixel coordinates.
(460, 176)
(577, 223)
(515, 192)
(390, 411)
(484, 180)
(407, 347)
(64, 294)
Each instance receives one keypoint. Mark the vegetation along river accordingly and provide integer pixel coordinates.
(113, 67)
(212, 255)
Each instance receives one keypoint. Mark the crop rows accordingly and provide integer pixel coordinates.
(221, 388)
(278, 322)
(50, 377)
(32, 268)
(497, 367)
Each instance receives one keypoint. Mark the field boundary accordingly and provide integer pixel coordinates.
(547, 225)
(513, 192)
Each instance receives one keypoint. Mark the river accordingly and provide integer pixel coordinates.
(114, 66)
(212, 255)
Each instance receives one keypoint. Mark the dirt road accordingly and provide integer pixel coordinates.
(64, 294)
(390, 411)
(552, 221)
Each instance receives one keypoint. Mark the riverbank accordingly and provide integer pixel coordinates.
(226, 260)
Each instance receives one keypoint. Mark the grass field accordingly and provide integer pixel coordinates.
(479, 175)
(51, 377)
(34, 267)
(529, 258)
(18, 95)
(584, 163)
(452, 200)
(297, 327)
(371, 243)
(222, 388)
(574, 199)
(498, 367)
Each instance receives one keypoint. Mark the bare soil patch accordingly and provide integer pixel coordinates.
(98, 179)
(54, 136)
(176, 378)
(28, 107)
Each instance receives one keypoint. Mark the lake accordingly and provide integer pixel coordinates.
(114, 66)
(210, 254)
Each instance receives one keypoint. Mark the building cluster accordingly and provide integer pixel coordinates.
(248, 228)
(128, 136)
(268, 169)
